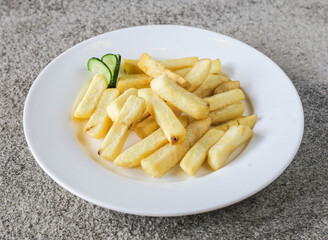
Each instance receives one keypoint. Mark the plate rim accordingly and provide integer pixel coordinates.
(140, 212)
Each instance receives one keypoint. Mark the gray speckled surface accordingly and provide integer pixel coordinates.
(294, 34)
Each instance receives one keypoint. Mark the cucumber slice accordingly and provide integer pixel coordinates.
(95, 65)
(113, 63)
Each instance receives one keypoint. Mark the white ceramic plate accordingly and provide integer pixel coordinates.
(70, 158)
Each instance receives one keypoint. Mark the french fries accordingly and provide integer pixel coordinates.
(222, 100)
(164, 116)
(186, 101)
(198, 73)
(131, 65)
(165, 158)
(226, 86)
(227, 113)
(245, 121)
(132, 156)
(114, 141)
(183, 72)
(216, 66)
(210, 83)
(91, 97)
(133, 81)
(154, 69)
(146, 126)
(234, 137)
(195, 157)
(114, 108)
(99, 122)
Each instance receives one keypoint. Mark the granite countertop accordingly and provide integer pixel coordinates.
(294, 34)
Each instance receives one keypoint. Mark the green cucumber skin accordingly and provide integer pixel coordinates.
(117, 68)
(95, 65)
(109, 60)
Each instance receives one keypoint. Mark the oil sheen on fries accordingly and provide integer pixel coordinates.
(114, 141)
(91, 97)
(168, 156)
(154, 69)
(99, 122)
(186, 101)
(164, 116)
(234, 137)
(195, 157)
(132, 156)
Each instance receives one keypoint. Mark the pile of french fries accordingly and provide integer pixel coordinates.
(184, 110)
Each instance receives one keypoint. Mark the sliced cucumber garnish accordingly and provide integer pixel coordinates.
(95, 65)
(113, 62)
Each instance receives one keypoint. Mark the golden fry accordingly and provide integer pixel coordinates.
(164, 116)
(226, 86)
(186, 101)
(198, 73)
(227, 113)
(210, 83)
(114, 141)
(183, 72)
(114, 108)
(165, 158)
(216, 66)
(222, 100)
(132, 156)
(195, 157)
(133, 81)
(131, 66)
(99, 122)
(245, 121)
(154, 69)
(234, 137)
(91, 97)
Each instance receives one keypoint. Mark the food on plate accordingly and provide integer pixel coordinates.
(226, 86)
(132, 156)
(148, 99)
(114, 108)
(198, 73)
(195, 157)
(216, 66)
(114, 141)
(154, 69)
(99, 122)
(133, 81)
(186, 101)
(227, 113)
(131, 65)
(164, 116)
(224, 99)
(91, 97)
(234, 137)
(165, 158)
(210, 83)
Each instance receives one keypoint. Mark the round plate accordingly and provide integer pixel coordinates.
(61, 152)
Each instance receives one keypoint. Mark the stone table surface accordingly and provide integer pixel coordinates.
(294, 34)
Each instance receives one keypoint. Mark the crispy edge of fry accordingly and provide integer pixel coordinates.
(227, 113)
(90, 99)
(168, 156)
(234, 137)
(99, 122)
(132, 156)
(114, 141)
(216, 66)
(197, 154)
(133, 81)
(210, 83)
(154, 69)
(224, 99)
(164, 116)
(114, 108)
(198, 73)
(249, 121)
(226, 86)
(186, 101)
